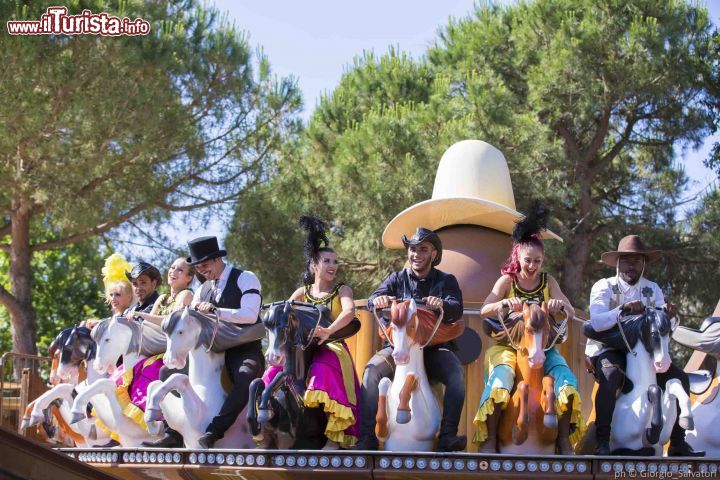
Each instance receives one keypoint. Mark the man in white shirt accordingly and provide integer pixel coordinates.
(617, 297)
(234, 296)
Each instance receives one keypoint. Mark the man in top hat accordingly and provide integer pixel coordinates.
(234, 296)
(421, 281)
(618, 297)
(145, 279)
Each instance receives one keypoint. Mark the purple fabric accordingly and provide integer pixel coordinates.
(326, 375)
(142, 377)
(270, 373)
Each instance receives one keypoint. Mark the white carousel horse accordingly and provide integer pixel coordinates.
(408, 417)
(706, 407)
(116, 338)
(74, 347)
(204, 340)
(644, 417)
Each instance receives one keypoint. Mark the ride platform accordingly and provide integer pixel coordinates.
(135, 464)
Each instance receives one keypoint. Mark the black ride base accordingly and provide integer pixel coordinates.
(149, 463)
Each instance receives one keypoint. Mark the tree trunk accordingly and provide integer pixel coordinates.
(577, 256)
(24, 326)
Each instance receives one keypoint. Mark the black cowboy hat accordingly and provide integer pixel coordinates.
(141, 268)
(203, 249)
(632, 244)
(425, 235)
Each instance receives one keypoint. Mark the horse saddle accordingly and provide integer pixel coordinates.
(613, 337)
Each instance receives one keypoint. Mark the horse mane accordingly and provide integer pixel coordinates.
(228, 334)
(421, 330)
(632, 327)
(153, 341)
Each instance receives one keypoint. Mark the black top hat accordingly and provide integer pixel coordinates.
(142, 268)
(425, 235)
(203, 249)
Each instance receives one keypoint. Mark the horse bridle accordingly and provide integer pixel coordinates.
(561, 329)
(387, 336)
(295, 303)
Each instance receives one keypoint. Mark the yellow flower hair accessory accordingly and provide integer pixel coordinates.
(115, 268)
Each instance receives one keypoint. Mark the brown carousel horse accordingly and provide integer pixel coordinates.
(530, 422)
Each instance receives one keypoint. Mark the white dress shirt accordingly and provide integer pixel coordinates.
(248, 312)
(605, 305)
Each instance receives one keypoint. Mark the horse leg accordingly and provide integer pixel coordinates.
(520, 429)
(192, 404)
(265, 413)
(404, 414)
(549, 429)
(675, 389)
(25, 423)
(652, 434)
(381, 419)
(256, 388)
(105, 387)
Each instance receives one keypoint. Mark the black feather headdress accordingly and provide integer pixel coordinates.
(533, 223)
(315, 236)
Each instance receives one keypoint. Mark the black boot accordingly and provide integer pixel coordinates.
(208, 439)
(602, 446)
(171, 439)
(367, 443)
(683, 449)
(452, 443)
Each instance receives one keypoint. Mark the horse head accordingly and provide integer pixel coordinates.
(114, 337)
(74, 345)
(280, 331)
(535, 333)
(186, 330)
(410, 327)
(655, 333)
(290, 324)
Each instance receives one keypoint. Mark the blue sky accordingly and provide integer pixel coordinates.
(315, 41)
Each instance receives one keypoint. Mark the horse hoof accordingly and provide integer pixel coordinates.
(92, 435)
(403, 417)
(687, 423)
(264, 416)
(153, 415)
(24, 424)
(550, 421)
(76, 417)
(154, 428)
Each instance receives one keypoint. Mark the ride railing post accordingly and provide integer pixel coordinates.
(16, 393)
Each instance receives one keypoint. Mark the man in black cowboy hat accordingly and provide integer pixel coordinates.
(234, 296)
(421, 281)
(619, 297)
(145, 279)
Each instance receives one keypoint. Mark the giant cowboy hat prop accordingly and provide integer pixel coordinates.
(472, 187)
(632, 244)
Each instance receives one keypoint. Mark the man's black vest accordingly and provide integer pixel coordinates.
(231, 296)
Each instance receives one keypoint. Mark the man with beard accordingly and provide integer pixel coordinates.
(145, 279)
(621, 296)
(421, 281)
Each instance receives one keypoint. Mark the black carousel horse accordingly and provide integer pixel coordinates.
(277, 415)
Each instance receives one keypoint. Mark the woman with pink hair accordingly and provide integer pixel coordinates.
(524, 281)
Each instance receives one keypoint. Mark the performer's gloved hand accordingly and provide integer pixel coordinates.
(635, 307)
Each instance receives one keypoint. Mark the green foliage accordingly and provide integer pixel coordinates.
(68, 289)
(96, 131)
(587, 99)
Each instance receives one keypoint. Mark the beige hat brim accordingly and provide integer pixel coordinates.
(442, 212)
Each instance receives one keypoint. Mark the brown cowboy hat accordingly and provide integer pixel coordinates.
(628, 245)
